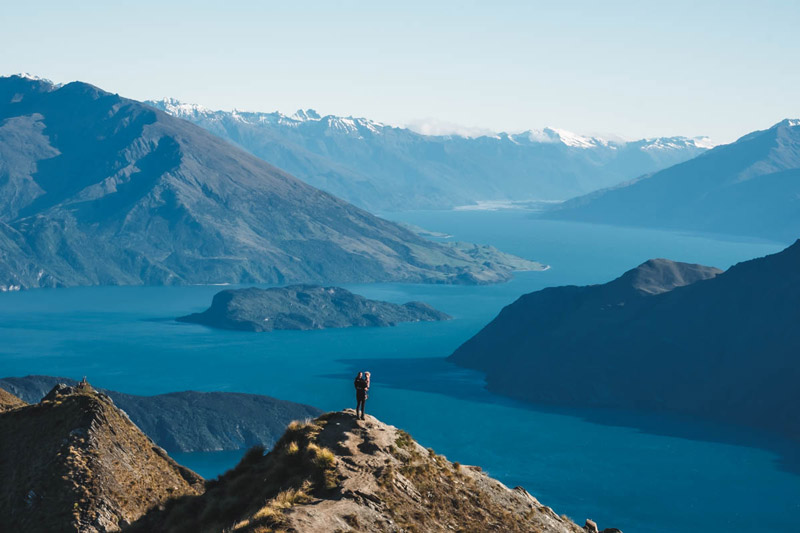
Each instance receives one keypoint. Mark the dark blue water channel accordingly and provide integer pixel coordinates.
(643, 474)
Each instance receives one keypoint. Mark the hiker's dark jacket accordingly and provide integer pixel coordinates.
(361, 387)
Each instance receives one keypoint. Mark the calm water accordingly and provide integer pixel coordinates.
(641, 474)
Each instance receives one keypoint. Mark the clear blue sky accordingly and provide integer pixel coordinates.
(629, 68)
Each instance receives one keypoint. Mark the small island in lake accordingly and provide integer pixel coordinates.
(305, 307)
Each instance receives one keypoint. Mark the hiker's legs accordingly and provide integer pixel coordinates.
(363, 404)
(359, 406)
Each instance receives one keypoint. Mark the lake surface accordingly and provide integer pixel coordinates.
(639, 473)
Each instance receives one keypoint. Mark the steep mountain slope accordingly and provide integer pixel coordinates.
(381, 167)
(749, 187)
(189, 421)
(74, 462)
(305, 307)
(339, 473)
(8, 401)
(663, 338)
(99, 189)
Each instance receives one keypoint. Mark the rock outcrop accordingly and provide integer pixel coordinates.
(75, 462)
(190, 421)
(664, 337)
(305, 307)
(339, 473)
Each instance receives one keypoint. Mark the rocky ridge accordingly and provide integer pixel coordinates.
(341, 474)
(74, 462)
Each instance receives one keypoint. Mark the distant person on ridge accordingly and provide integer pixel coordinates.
(362, 386)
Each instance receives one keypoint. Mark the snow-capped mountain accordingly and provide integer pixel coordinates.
(384, 167)
(97, 189)
(749, 187)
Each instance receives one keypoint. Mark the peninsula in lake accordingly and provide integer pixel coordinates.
(306, 307)
(663, 337)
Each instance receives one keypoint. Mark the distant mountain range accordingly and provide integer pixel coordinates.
(665, 336)
(386, 168)
(750, 187)
(96, 189)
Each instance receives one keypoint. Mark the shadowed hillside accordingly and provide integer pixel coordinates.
(663, 337)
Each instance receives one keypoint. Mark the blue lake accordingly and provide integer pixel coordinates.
(642, 474)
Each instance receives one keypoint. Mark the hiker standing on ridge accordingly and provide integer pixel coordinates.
(362, 386)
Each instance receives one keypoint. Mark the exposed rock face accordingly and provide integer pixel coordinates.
(190, 421)
(74, 462)
(96, 189)
(305, 307)
(663, 337)
(749, 187)
(339, 473)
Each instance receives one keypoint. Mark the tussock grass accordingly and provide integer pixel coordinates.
(403, 440)
(296, 471)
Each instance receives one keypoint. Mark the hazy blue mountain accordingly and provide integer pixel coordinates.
(663, 337)
(100, 189)
(189, 421)
(750, 187)
(380, 167)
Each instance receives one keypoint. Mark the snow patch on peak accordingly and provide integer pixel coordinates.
(704, 142)
(306, 114)
(552, 135)
(33, 77)
(579, 141)
(789, 122)
(177, 108)
(675, 143)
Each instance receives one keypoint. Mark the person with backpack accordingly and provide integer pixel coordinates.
(362, 386)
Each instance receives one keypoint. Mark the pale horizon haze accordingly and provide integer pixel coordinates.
(627, 69)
